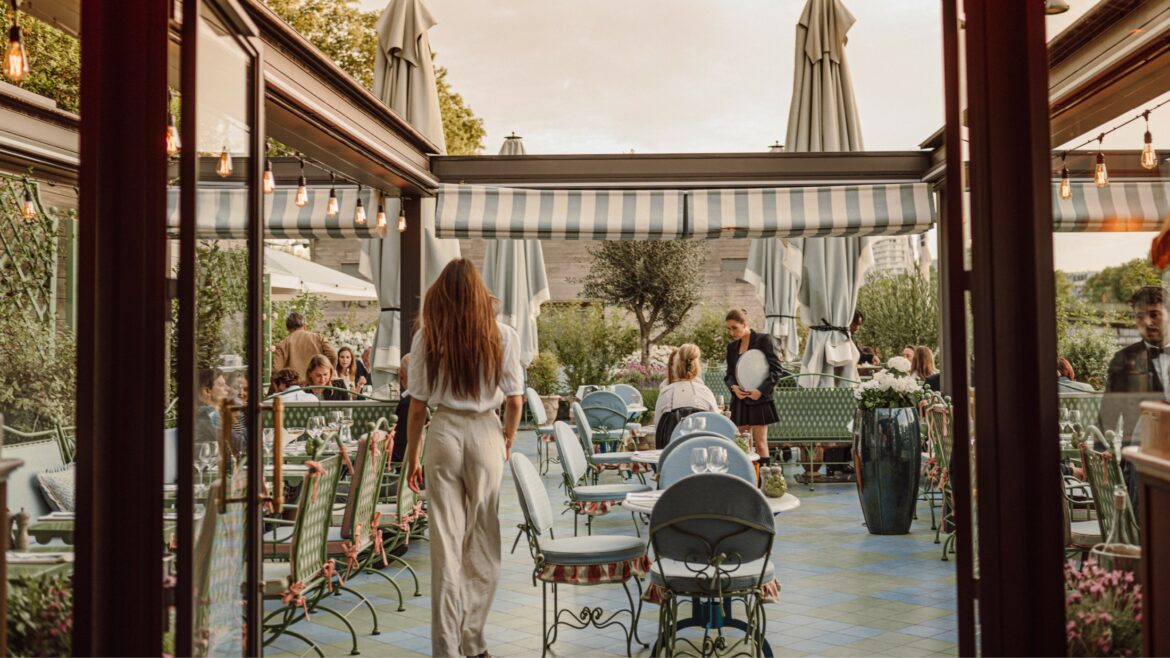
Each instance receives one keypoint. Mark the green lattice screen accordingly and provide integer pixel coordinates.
(28, 253)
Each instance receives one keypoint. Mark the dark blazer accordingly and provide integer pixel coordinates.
(763, 343)
(403, 413)
(1130, 382)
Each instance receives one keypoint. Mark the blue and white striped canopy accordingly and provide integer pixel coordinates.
(221, 213)
(811, 212)
(500, 213)
(1120, 206)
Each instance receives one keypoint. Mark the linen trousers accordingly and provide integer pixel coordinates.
(464, 465)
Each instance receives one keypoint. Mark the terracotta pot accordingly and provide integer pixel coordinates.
(551, 404)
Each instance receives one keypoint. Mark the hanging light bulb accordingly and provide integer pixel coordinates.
(402, 221)
(1065, 183)
(269, 179)
(302, 198)
(16, 62)
(28, 209)
(359, 213)
(173, 141)
(381, 216)
(332, 207)
(1149, 155)
(224, 166)
(1101, 172)
(1053, 7)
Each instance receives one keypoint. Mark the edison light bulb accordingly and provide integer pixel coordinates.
(1101, 172)
(1149, 155)
(1065, 184)
(269, 179)
(359, 213)
(224, 166)
(16, 63)
(302, 192)
(331, 208)
(173, 141)
(402, 222)
(28, 209)
(381, 216)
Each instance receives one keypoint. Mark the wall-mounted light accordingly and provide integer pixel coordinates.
(28, 209)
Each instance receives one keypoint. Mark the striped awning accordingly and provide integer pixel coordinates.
(501, 213)
(221, 213)
(809, 212)
(1119, 206)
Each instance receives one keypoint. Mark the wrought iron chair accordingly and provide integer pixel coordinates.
(590, 500)
(705, 421)
(604, 461)
(633, 399)
(1103, 472)
(218, 567)
(937, 418)
(544, 430)
(712, 537)
(676, 464)
(608, 417)
(585, 561)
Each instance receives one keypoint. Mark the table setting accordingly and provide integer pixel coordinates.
(714, 460)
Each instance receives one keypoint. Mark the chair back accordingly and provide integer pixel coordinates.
(171, 455)
(530, 490)
(713, 519)
(219, 570)
(664, 425)
(630, 395)
(314, 515)
(605, 411)
(24, 490)
(368, 465)
(676, 464)
(1103, 471)
(705, 421)
(536, 407)
(674, 445)
(67, 437)
(573, 459)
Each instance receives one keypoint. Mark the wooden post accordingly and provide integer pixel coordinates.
(410, 278)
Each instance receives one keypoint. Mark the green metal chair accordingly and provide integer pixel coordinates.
(301, 575)
(218, 567)
(590, 500)
(604, 461)
(1104, 475)
(811, 418)
(936, 417)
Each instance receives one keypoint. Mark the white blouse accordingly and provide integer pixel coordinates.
(685, 393)
(490, 396)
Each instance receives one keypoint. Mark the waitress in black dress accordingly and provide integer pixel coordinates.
(751, 410)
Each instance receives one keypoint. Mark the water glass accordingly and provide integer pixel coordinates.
(698, 460)
(316, 426)
(717, 460)
(335, 420)
(346, 417)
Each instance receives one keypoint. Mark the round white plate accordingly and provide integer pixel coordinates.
(751, 370)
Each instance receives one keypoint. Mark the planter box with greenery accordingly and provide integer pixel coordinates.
(543, 377)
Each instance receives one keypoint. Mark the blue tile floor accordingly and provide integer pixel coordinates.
(844, 592)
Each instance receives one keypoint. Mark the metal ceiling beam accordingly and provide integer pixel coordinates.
(35, 135)
(683, 170)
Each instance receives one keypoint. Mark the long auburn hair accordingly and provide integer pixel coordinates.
(462, 343)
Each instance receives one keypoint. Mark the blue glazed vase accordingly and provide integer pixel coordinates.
(887, 456)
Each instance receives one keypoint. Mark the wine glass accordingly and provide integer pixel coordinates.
(269, 441)
(294, 433)
(368, 391)
(316, 426)
(698, 460)
(200, 459)
(346, 417)
(717, 459)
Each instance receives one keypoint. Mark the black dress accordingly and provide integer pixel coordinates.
(748, 411)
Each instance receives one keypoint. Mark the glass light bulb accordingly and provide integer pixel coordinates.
(331, 208)
(1101, 172)
(173, 141)
(381, 216)
(302, 193)
(1149, 155)
(28, 209)
(269, 179)
(402, 223)
(16, 62)
(359, 213)
(224, 166)
(1065, 184)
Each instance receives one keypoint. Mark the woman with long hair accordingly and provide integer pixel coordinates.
(464, 364)
(922, 365)
(752, 410)
(347, 366)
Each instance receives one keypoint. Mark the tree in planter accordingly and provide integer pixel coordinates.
(707, 330)
(588, 344)
(542, 374)
(658, 282)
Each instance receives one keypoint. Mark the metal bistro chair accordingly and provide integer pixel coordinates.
(633, 399)
(712, 537)
(1103, 472)
(544, 430)
(585, 561)
(607, 416)
(676, 464)
(604, 461)
(590, 500)
(705, 421)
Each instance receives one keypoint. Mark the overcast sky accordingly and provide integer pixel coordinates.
(608, 76)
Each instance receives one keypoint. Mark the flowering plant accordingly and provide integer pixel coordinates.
(1104, 611)
(892, 387)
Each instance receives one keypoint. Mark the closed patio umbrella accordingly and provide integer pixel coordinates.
(773, 269)
(514, 271)
(823, 117)
(404, 78)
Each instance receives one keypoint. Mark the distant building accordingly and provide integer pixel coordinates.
(893, 255)
(1078, 279)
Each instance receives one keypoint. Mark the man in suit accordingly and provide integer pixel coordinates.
(300, 346)
(402, 412)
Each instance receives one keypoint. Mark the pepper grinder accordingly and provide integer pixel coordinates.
(20, 539)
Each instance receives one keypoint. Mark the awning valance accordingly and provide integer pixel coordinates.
(502, 213)
(1119, 206)
(221, 213)
(808, 212)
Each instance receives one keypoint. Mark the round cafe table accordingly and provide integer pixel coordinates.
(652, 456)
(644, 502)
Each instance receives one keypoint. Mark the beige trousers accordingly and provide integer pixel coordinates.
(464, 464)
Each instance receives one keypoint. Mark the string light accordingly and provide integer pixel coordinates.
(1100, 171)
(359, 213)
(302, 190)
(381, 216)
(269, 179)
(224, 166)
(402, 219)
(332, 207)
(173, 141)
(16, 62)
(28, 209)
(1065, 183)
(1149, 155)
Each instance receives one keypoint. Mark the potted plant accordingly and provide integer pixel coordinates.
(1104, 610)
(544, 377)
(887, 448)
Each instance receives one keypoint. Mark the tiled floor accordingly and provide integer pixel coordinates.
(844, 592)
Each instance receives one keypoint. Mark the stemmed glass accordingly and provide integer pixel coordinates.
(269, 442)
(208, 451)
(698, 460)
(717, 460)
(315, 427)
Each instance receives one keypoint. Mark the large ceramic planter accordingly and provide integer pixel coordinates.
(552, 405)
(887, 456)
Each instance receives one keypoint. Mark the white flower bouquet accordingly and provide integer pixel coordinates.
(893, 387)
